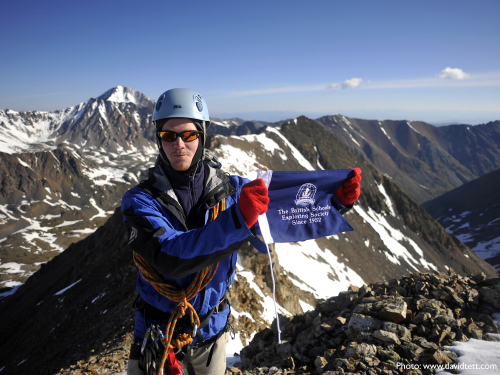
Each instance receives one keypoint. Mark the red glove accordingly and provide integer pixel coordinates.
(253, 201)
(173, 365)
(350, 190)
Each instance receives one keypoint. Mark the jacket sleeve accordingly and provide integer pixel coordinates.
(177, 253)
(339, 207)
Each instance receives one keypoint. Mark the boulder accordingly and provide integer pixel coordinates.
(490, 296)
(362, 323)
(386, 337)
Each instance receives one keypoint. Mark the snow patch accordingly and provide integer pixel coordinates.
(305, 306)
(387, 199)
(476, 356)
(320, 271)
(412, 128)
(12, 267)
(393, 239)
(68, 287)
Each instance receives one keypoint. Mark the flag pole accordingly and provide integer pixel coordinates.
(263, 168)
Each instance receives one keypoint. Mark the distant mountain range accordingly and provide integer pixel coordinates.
(63, 172)
(472, 213)
(424, 160)
(80, 302)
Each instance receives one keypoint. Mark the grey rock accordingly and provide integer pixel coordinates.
(441, 295)
(439, 357)
(420, 287)
(362, 323)
(386, 337)
(421, 317)
(284, 350)
(339, 321)
(322, 329)
(389, 355)
(317, 320)
(288, 363)
(399, 290)
(490, 296)
(423, 330)
(401, 331)
(362, 350)
(412, 351)
(389, 309)
(320, 362)
(329, 354)
(445, 319)
(366, 350)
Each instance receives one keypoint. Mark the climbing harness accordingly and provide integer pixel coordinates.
(182, 297)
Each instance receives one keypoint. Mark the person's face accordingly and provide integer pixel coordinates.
(179, 153)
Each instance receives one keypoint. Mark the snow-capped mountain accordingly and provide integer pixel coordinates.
(64, 172)
(120, 94)
(51, 195)
(112, 122)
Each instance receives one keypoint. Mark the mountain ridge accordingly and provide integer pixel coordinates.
(81, 300)
(113, 141)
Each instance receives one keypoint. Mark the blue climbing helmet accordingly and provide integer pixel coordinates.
(182, 103)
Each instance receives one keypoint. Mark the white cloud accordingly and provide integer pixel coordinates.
(352, 83)
(488, 79)
(332, 86)
(453, 73)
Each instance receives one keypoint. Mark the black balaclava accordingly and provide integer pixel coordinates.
(197, 156)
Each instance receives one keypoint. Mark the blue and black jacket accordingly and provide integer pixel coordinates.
(159, 233)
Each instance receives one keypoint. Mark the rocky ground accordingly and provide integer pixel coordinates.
(367, 330)
(370, 330)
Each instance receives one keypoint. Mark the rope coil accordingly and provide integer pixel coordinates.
(182, 296)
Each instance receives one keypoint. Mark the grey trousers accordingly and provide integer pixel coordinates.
(198, 359)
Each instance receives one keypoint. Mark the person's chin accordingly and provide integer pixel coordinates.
(180, 167)
(180, 164)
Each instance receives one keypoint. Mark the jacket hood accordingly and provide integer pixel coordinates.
(214, 175)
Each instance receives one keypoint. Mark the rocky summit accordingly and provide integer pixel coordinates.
(381, 328)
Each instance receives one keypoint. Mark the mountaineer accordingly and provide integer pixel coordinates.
(185, 224)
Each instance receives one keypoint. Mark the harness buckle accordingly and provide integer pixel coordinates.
(180, 355)
(221, 302)
(195, 329)
(145, 340)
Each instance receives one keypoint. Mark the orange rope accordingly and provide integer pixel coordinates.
(182, 296)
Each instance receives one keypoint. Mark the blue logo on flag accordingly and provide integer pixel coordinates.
(305, 196)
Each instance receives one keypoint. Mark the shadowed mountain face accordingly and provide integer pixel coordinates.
(472, 213)
(424, 160)
(79, 303)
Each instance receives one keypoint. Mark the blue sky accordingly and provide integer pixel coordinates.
(427, 60)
